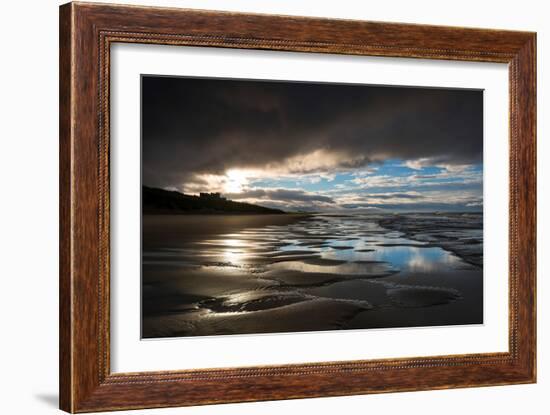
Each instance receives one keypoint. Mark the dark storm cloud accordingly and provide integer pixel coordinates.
(284, 195)
(206, 126)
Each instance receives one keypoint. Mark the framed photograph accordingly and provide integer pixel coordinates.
(258, 207)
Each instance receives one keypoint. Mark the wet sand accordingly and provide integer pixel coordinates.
(460, 233)
(175, 230)
(242, 274)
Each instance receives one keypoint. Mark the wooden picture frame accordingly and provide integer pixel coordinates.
(86, 33)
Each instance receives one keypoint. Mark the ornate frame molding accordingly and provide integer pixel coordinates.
(86, 33)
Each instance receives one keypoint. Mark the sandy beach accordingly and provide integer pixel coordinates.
(175, 230)
(242, 274)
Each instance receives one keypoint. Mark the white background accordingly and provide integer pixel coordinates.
(129, 354)
(28, 219)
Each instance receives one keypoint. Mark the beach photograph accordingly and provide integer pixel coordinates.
(282, 206)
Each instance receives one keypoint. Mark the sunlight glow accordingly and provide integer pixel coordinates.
(236, 180)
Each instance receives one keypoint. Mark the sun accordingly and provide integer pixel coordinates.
(235, 181)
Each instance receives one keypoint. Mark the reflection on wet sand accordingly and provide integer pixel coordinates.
(206, 276)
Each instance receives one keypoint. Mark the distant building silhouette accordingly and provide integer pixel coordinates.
(214, 196)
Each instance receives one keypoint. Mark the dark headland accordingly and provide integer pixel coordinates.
(159, 201)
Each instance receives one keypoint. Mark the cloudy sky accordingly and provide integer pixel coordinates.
(306, 146)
